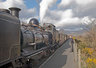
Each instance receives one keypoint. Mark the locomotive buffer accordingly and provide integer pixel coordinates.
(62, 58)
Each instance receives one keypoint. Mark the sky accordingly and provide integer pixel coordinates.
(70, 15)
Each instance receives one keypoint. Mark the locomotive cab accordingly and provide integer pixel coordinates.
(9, 36)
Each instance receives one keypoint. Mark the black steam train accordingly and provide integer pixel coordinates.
(21, 43)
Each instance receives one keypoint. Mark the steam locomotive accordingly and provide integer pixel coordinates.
(19, 44)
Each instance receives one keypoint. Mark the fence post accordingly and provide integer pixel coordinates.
(79, 59)
(75, 51)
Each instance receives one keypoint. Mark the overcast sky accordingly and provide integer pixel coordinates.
(66, 14)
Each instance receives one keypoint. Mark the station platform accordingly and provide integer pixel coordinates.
(63, 57)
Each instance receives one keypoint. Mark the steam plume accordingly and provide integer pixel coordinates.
(44, 5)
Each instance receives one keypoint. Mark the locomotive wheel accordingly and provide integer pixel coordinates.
(29, 63)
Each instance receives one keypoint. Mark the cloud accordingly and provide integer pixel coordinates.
(58, 15)
(12, 3)
(85, 8)
(80, 8)
(62, 19)
(68, 14)
(25, 13)
(84, 2)
(68, 21)
(64, 3)
(71, 14)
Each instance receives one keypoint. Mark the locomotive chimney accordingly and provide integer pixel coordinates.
(15, 11)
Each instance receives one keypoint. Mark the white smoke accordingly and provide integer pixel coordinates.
(44, 5)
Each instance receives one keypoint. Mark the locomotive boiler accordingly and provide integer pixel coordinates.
(20, 43)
